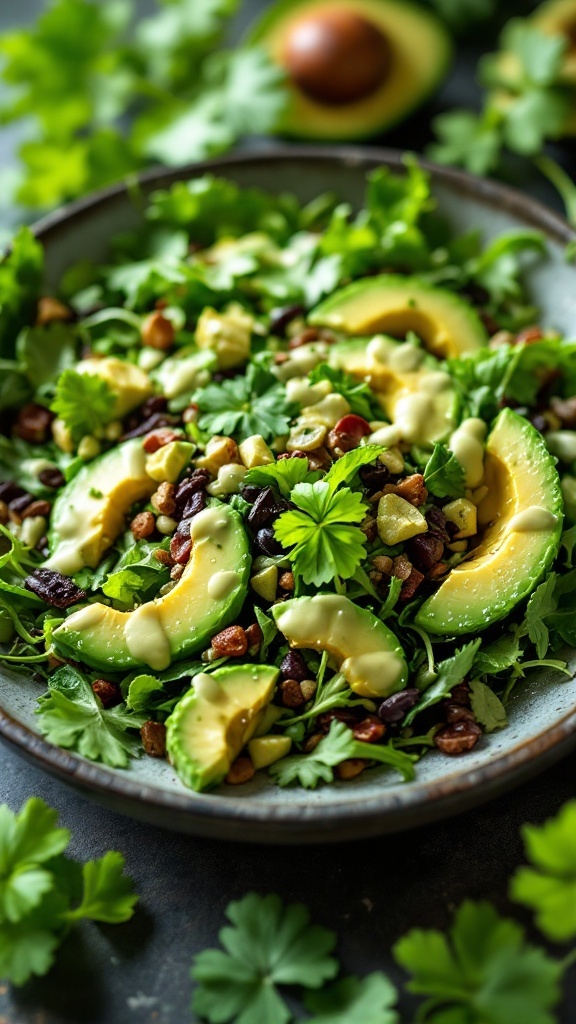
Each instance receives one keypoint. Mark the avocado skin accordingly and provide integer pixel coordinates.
(431, 54)
(234, 722)
(463, 604)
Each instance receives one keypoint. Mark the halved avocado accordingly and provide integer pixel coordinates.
(355, 67)
(215, 719)
(89, 513)
(368, 654)
(520, 524)
(394, 305)
(207, 597)
(413, 390)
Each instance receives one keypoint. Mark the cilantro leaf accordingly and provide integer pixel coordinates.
(253, 404)
(344, 470)
(469, 140)
(27, 840)
(284, 474)
(337, 746)
(269, 944)
(487, 707)
(28, 947)
(444, 475)
(483, 969)
(548, 887)
(85, 402)
(20, 281)
(323, 544)
(73, 718)
(108, 894)
(354, 1001)
(360, 398)
(449, 673)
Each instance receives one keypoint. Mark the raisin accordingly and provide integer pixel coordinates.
(293, 666)
(154, 739)
(108, 693)
(394, 708)
(55, 589)
(458, 738)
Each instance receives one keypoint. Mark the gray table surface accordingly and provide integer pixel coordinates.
(369, 892)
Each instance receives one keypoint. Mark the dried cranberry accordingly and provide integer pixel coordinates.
(157, 403)
(9, 491)
(374, 477)
(437, 524)
(154, 422)
(181, 543)
(261, 511)
(250, 492)
(267, 542)
(108, 693)
(348, 432)
(19, 504)
(399, 704)
(194, 505)
(188, 488)
(55, 589)
(425, 550)
(293, 666)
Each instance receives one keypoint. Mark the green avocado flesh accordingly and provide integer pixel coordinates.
(367, 652)
(406, 380)
(215, 719)
(89, 513)
(420, 52)
(520, 524)
(394, 305)
(207, 597)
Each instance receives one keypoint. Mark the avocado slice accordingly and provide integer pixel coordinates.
(368, 654)
(354, 68)
(130, 384)
(207, 597)
(89, 512)
(394, 305)
(520, 523)
(215, 719)
(413, 390)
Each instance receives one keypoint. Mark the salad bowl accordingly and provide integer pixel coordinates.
(542, 715)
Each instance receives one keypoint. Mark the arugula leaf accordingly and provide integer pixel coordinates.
(21, 274)
(449, 673)
(108, 894)
(285, 474)
(487, 707)
(323, 543)
(484, 970)
(269, 944)
(357, 393)
(548, 887)
(136, 576)
(73, 718)
(27, 841)
(84, 401)
(337, 746)
(354, 1001)
(444, 475)
(253, 404)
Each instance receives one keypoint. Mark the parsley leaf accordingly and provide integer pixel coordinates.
(449, 673)
(253, 404)
(444, 475)
(487, 707)
(269, 944)
(107, 894)
(344, 470)
(339, 745)
(548, 887)
(85, 402)
(467, 139)
(284, 474)
(27, 841)
(483, 969)
(323, 543)
(354, 1001)
(73, 718)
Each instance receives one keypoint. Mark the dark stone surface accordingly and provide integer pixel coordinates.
(369, 892)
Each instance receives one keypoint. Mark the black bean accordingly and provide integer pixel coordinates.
(395, 707)
(55, 589)
(267, 542)
(293, 666)
(9, 491)
(52, 477)
(250, 492)
(282, 316)
(19, 504)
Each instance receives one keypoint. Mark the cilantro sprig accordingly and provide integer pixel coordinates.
(85, 402)
(254, 403)
(43, 893)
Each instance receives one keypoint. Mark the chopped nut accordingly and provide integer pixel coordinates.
(305, 337)
(411, 585)
(33, 423)
(4, 513)
(458, 738)
(36, 508)
(350, 769)
(312, 742)
(50, 309)
(255, 638)
(308, 688)
(412, 489)
(164, 557)
(369, 730)
(456, 712)
(154, 739)
(291, 694)
(158, 438)
(164, 499)
(143, 525)
(108, 693)
(286, 581)
(376, 577)
(157, 331)
(382, 563)
(529, 336)
(231, 642)
(438, 570)
(401, 567)
(176, 572)
(241, 771)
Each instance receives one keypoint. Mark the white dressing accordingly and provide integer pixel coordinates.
(533, 518)
(145, 637)
(208, 523)
(221, 584)
(467, 443)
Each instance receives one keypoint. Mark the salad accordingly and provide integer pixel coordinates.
(284, 487)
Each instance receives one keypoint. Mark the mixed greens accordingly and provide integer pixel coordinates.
(284, 486)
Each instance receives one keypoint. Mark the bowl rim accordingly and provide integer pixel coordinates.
(280, 821)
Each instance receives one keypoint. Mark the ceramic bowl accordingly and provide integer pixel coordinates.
(542, 713)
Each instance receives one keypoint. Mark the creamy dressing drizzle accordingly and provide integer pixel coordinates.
(208, 523)
(467, 443)
(221, 584)
(145, 637)
(534, 518)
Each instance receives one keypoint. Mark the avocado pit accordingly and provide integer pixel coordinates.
(337, 57)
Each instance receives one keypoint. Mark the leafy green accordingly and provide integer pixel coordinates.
(84, 401)
(255, 403)
(21, 274)
(137, 576)
(284, 474)
(444, 475)
(45, 352)
(448, 674)
(39, 887)
(344, 470)
(351, 1001)
(499, 656)
(269, 944)
(548, 887)
(488, 709)
(73, 718)
(357, 393)
(483, 970)
(269, 631)
(337, 746)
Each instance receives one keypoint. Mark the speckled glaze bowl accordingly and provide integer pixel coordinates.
(542, 713)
